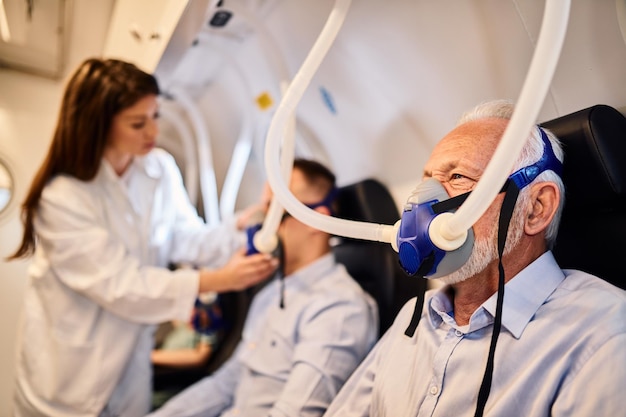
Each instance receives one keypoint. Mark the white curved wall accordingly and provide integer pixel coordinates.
(401, 72)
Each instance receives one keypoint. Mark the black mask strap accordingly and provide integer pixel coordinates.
(417, 314)
(506, 212)
(455, 202)
(442, 207)
(450, 204)
(280, 253)
(426, 265)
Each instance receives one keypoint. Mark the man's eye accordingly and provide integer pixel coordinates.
(138, 125)
(461, 182)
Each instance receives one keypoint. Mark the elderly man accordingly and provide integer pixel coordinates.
(561, 349)
(303, 336)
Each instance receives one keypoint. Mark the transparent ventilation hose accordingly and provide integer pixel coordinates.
(451, 230)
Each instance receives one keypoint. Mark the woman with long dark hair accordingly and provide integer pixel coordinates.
(105, 215)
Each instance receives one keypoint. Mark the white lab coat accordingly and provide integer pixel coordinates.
(99, 285)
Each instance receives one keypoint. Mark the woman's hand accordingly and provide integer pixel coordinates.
(239, 273)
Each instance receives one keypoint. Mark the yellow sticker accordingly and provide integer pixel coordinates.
(264, 101)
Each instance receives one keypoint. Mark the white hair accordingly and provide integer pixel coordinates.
(531, 153)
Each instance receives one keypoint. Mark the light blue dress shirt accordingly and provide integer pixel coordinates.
(561, 352)
(291, 361)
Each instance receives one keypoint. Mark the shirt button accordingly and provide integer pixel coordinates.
(251, 345)
(434, 390)
(458, 333)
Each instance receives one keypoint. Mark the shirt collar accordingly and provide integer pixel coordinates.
(306, 276)
(149, 165)
(523, 295)
(526, 292)
(145, 164)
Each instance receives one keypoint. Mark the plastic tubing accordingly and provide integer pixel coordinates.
(347, 228)
(265, 240)
(532, 96)
(186, 138)
(455, 226)
(208, 183)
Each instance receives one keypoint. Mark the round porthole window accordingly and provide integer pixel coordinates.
(7, 186)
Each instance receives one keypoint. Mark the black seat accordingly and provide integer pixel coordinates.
(375, 264)
(168, 381)
(592, 235)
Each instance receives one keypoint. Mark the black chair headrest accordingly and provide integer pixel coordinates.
(367, 201)
(594, 141)
(374, 265)
(592, 233)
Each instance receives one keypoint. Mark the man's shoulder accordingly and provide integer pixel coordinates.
(342, 277)
(339, 285)
(585, 295)
(586, 285)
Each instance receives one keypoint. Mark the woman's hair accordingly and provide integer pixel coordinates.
(97, 91)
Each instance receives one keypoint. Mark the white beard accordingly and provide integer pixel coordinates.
(485, 251)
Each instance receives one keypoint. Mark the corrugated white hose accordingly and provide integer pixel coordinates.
(208, 184)
(449, 230)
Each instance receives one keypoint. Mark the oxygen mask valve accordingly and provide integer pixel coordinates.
(418, 254)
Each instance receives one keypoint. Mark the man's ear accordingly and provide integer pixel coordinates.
(545, 198)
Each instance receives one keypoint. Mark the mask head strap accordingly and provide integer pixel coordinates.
(516, 181)
(325, 202)
(548, 161)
